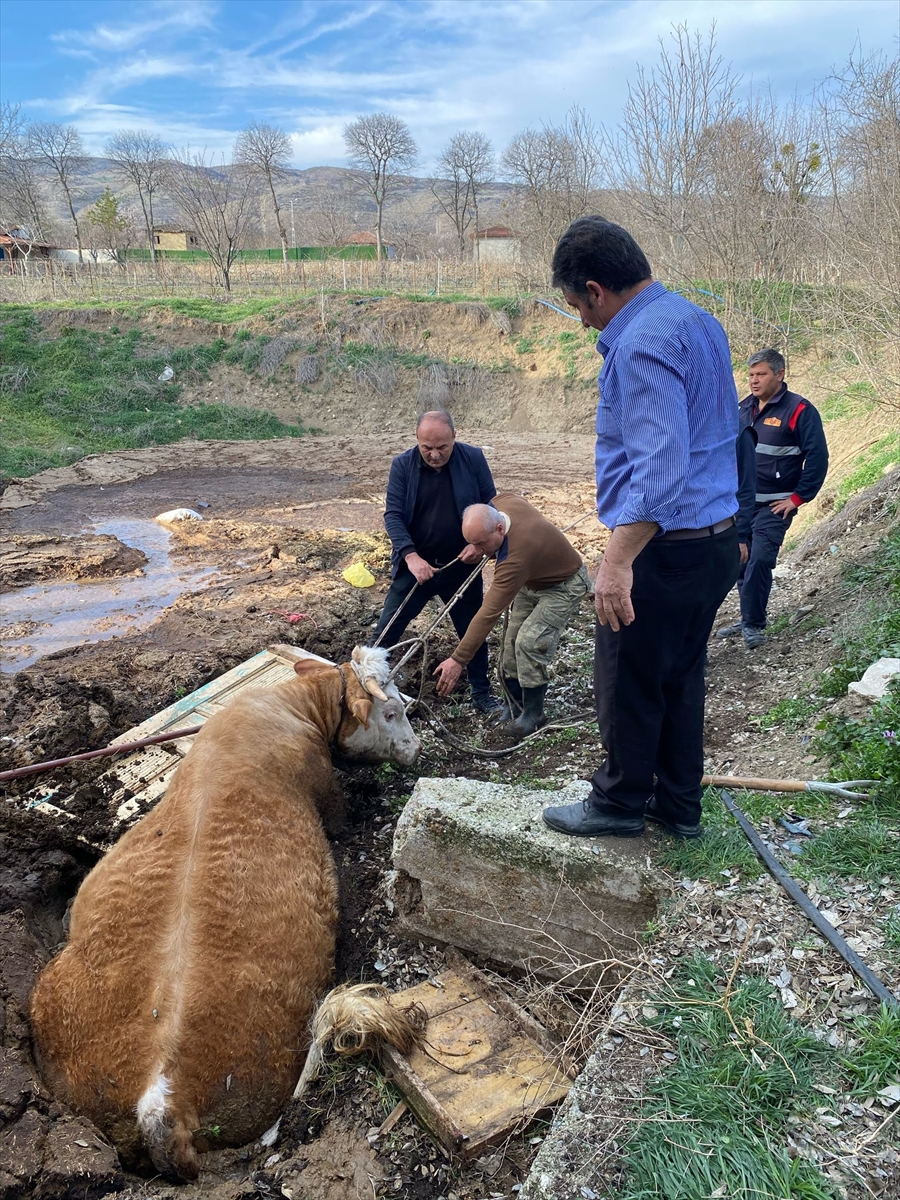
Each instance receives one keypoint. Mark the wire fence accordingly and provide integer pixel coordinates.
(49, 280)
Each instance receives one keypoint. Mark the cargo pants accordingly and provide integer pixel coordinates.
(536, 621)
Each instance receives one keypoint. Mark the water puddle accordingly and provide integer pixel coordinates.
(47, 617)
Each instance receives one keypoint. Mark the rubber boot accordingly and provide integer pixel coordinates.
(532, 716)
(511, 707)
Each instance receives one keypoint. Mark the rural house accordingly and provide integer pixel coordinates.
(497, 243)
(174, 237)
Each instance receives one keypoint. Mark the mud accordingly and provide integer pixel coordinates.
(280, 522)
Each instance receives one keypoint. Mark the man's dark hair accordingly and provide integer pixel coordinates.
(771, 357)
(594, 248)
(436, 414)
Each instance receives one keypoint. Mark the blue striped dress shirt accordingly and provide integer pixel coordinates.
(668, 416)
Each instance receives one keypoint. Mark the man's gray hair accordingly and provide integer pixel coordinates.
(772, 357)
(487, 516)
(436, 414)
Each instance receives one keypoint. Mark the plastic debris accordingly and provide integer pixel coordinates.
(797, 826)
(178, 514)
(358, 575)
(291, 616)
(166, 375)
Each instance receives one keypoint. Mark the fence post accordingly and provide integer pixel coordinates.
(438, 289)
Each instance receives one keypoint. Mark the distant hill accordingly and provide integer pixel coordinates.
(332, 189)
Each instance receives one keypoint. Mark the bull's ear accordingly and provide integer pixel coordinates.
(361, 708)
(305, 665)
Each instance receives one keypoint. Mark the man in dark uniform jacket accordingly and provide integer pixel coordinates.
(428, 489)
(791, 465)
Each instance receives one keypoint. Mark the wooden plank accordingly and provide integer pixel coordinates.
(480, 1070)
(138, 781)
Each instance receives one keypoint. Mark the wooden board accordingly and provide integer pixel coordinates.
(484, 1067)
(138, 781)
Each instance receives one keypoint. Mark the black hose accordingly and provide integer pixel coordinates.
(800, 898)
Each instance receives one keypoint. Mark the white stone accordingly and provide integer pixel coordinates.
(874, 683)
(178, 514)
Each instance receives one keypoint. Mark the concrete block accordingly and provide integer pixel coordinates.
(476, 867)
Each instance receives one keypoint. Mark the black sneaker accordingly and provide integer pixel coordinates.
(730, 630)
(754, 637)
(652, 813)
(486, 703)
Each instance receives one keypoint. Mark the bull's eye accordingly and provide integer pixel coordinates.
(389, 716)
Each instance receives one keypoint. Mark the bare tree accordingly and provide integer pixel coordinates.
(556, 170)
(378, 147)
(331, 213)
(860, 106)
(660, 156)
(218, 201)
(21, 192)
(140, 160)
(267, 151)
(59, 148)
(467, 162)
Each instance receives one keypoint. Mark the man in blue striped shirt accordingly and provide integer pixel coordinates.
(666, 488)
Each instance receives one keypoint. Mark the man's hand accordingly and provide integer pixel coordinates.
(447, 674)
(745, 553)
(612, 587)
(470, 555)
(783, 508)
(612, 595)
(421, 570)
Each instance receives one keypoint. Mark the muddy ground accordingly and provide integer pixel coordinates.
(280, 521)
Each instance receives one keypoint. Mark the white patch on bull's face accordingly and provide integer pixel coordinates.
(370, 662)
(389, 736)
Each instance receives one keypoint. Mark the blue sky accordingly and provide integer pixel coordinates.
(196, 71)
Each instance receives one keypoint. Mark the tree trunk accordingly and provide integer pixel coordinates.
(148, 225)
(380, 204)
(74, 221)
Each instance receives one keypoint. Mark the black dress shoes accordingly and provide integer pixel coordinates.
(584, 820)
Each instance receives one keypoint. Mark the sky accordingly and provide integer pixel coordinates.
(197, 71)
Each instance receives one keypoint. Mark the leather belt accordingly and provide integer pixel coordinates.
(685, 535)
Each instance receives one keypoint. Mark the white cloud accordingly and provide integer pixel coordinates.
(170, 15)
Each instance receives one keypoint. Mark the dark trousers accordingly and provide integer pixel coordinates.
(755, 580)
(649, 684)
(444, 585)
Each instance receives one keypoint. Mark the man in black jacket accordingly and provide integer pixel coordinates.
(428, 489)
(791, 465)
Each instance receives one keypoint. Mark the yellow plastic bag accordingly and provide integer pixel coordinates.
(359, 576)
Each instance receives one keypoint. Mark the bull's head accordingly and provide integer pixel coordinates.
(375, 726)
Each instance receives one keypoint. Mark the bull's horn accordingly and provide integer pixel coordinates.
(370, 683)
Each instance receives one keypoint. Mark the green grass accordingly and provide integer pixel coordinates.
(875, 1061)
(84, 392)
(853, 400)
(789, 713)
(713, 1124)
(863, 849)
(891, 930)
(868, 468)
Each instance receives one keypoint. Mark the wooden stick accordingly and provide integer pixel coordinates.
(757, 785)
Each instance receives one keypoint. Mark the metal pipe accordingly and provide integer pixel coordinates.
(121, 748)
(803, 902)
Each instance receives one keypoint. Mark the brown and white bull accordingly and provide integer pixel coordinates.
(199, 945)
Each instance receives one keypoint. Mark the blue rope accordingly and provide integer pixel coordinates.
(561, 311)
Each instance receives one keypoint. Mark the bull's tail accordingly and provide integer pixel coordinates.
(358, 1017)
(166, 1133)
